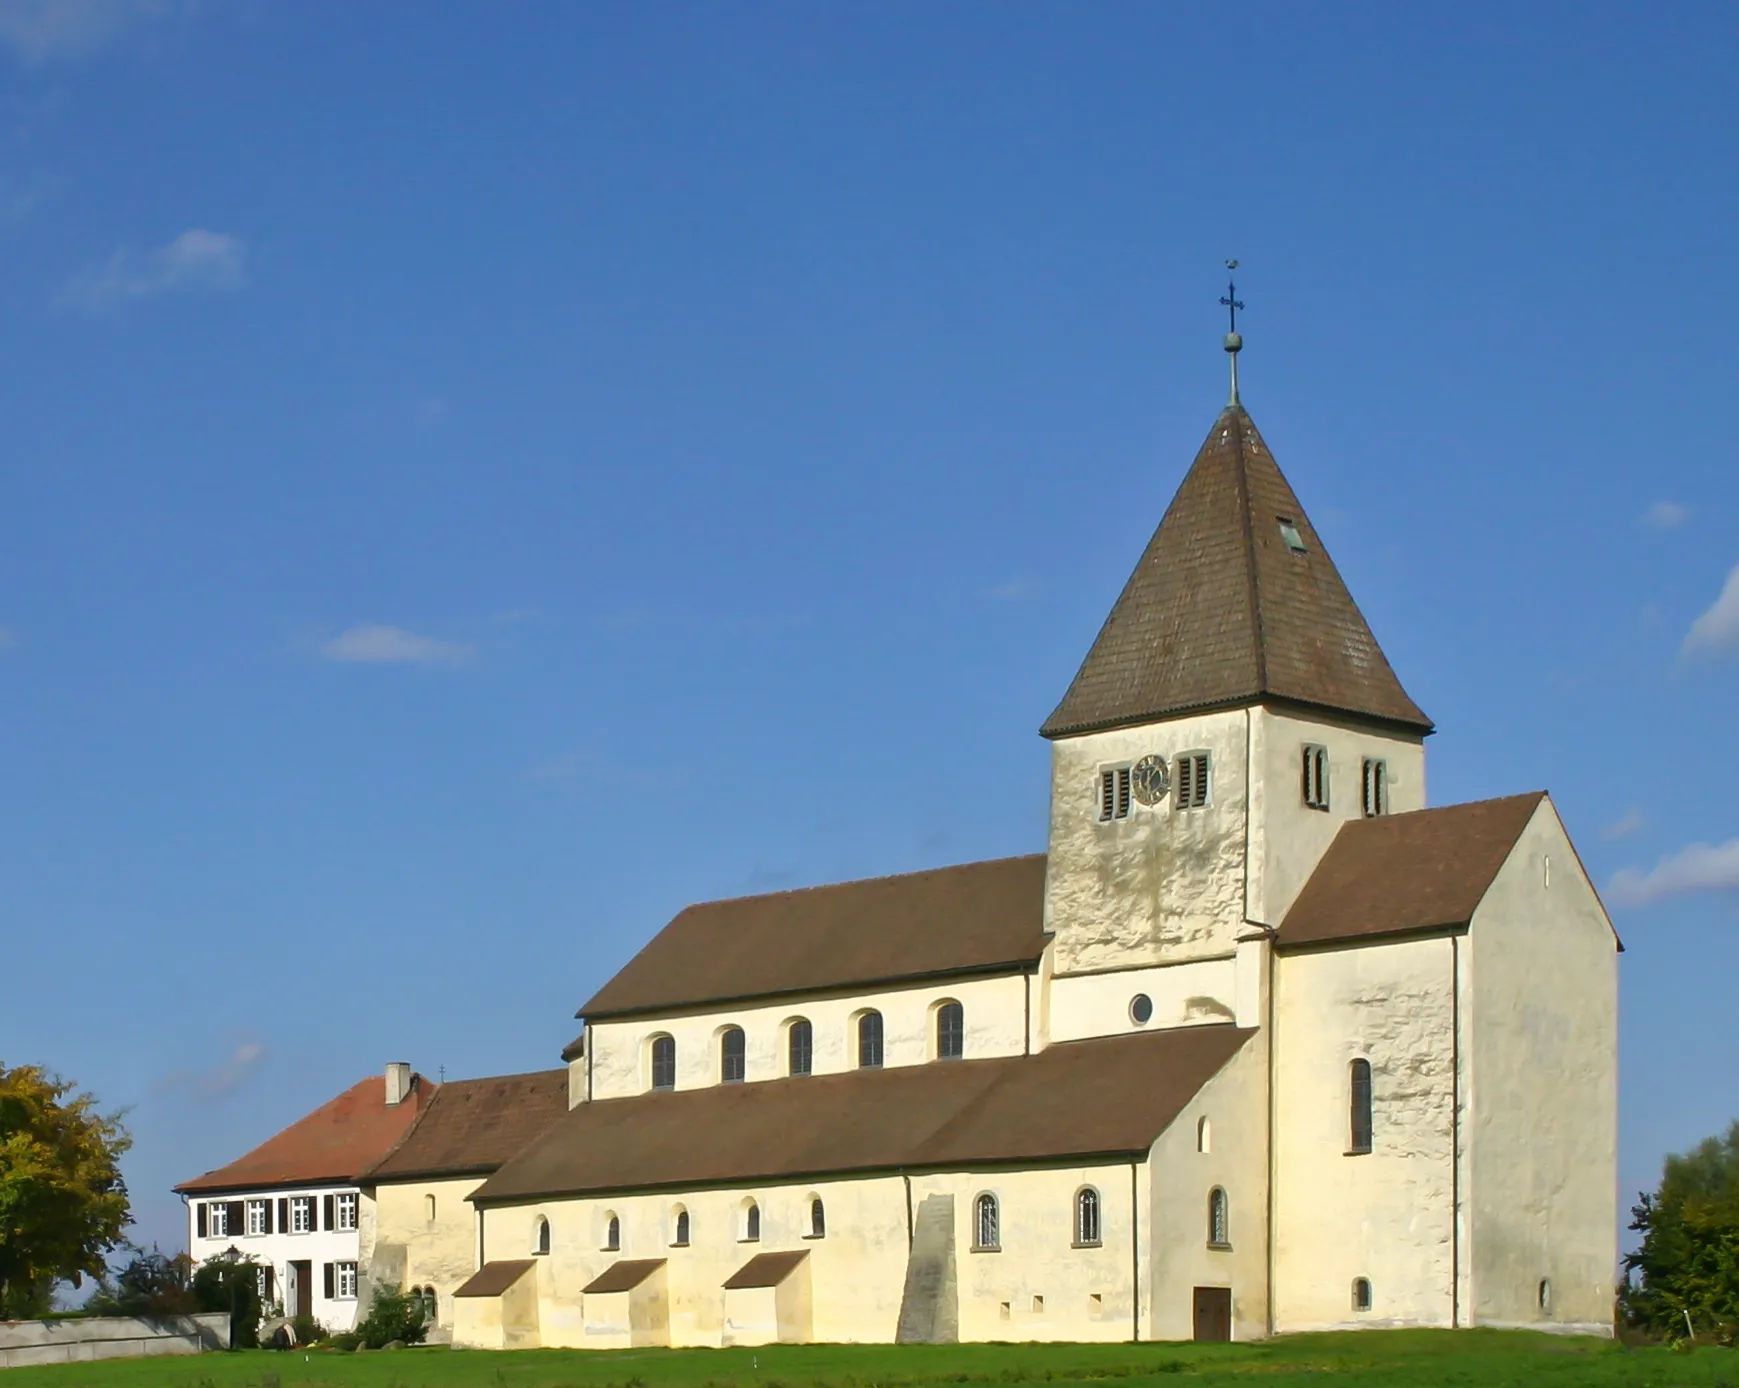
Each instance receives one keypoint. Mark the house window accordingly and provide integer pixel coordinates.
(217, 1221)
(1087, 1218)
(817, 1219)
(733, 1057)
(800, 1047)
(751, 1223)
(1361, 1293)
(1219, 1222)
(302, 1214)
(679, 1229)
(1315, 777)
(950, 1031)
(1192, 780)
(344, 1281)
(259, 1217)
(664, 1062)
(345, 1209)
(1374, 795)
(1289, 533)
(263, 1283)
(1359, 1087)
(613, 1234)
(869, 1040)
(986, 1225)
(1114, 798)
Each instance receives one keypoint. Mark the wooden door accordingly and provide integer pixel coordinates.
(1213, 1319)
(300, 1301)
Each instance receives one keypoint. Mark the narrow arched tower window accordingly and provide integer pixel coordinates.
(1219, 1220)
(869, 1040)
(800, 1047)
(733, 1056)
(950, 1031)
(1359, 1092)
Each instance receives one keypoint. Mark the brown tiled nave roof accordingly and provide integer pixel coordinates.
(472, 1126)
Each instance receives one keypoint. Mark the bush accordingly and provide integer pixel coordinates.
(230, 1282)
(308, 1330)
(347, 1341)
(150, 1285)
(393, 1316)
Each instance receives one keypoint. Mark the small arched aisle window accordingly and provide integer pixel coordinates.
(986, 1224)
(950, 1031)
(429, 1208)
(800, 1047)
(1361, 1293)
(430, 1304)
(1086, 1218)
(733, 1056)
(751, 1222)
(869, 1040)
(1359, 1094)
(1219, 1220)
(679, 1229)
(817, 1219)
(1204, 1136)
(613, 1234)
(542, 1235)
(664, 1062)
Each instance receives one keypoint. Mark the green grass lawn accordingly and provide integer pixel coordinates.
(1402, 1357)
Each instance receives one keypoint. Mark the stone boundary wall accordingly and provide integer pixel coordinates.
(109, 1337)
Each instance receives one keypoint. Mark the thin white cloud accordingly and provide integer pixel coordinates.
(1624, 826)
(40, 30)
(1696, 868)
(1015, 590)
(195, 260)
(371, 644)
(1716, 632)
(229, 1074)
(1666, 515)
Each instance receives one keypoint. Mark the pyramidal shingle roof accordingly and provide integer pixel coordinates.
(1225, 609)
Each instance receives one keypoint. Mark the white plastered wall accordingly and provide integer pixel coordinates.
(278, 1250)
(1199, 994)
(441, 1252)
(1543, 1092)
(995, 1011)
(1290, 837)
(1387, 1215)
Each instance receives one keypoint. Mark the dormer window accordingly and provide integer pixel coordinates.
(1114, 794)
(1289, 533)
(1315, 777)
(1192, 777)
(1374, 792)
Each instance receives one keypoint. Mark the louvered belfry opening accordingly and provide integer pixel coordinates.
(1234, 601)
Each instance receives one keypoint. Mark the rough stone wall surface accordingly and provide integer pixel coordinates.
(930, 1301)
(1182, 1176)
(1288, 837)
(1387, 1215)
(1164, 885)
(996, 1025)
(1543, 1092)
(406, 1248)
(26, 1343)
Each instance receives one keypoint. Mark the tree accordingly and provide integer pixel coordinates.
(1688, 1263)
(152, 1284)
(230, 1282)
(63, 1203)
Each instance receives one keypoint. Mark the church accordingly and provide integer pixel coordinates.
(1261, 1043)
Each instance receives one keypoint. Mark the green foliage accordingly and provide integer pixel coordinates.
(1688, 1263)
(63, 1203)
(230, 1282)
(393, 1316)
(308, 1330)
(151, 1284)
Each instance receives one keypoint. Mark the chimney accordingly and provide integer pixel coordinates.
(398, 1082)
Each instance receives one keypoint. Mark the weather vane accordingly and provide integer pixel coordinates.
(1234, 343)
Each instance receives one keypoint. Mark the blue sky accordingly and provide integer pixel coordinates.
(476, 479)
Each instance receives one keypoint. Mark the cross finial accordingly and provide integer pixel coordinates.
(443, 1074)
(1234, 343)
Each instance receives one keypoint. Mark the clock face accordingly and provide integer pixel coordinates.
(1151, 778)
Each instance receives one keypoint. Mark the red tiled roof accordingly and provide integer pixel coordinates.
(471, 1126)
(339, 1141)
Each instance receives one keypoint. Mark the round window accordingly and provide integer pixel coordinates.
(1141, 1009)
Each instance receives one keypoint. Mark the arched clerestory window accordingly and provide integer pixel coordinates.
(986, 1224)
(817, 1219)
(950, 1031)
(800, 1047)
(1086, 1217)
(733, 1056)
(542, 1235)
(679, 1228)
(751, 1222)
(869, 1040)
(613, 1233)
(664, 1062)
(1359, 1104)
